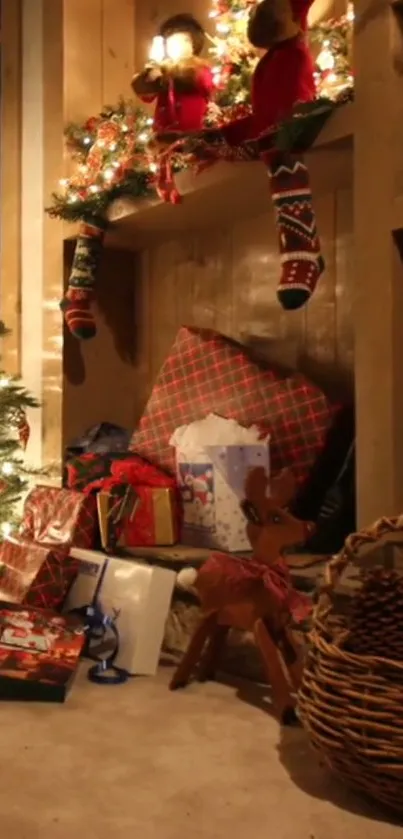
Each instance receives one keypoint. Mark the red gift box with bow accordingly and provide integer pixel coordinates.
(154, 516)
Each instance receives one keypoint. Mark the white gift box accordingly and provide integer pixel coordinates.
(138, 594)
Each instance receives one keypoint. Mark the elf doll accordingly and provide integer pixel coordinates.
(180, 83)
(176, 78)
(283, 78)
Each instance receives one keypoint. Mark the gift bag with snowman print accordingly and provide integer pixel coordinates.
(213, 458)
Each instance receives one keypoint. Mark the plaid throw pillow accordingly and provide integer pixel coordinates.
(206, 372)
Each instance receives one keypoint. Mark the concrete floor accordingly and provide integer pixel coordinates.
(138, 761)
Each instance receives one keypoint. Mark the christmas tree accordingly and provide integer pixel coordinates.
(14, 433)
(234, 60)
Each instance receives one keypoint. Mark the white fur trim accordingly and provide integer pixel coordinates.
(186, 578)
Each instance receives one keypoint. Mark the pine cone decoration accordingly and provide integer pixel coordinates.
(376, 618)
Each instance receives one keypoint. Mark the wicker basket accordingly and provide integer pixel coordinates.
(351, 704)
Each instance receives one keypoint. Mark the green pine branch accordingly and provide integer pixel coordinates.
(15, 399)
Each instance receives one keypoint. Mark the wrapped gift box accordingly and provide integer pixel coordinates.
(82, 469)
(59, 517)
(39, 653)
(136, 595)
(137, 505)
(115, 503)
(154, 520)
(205, 373)
(33, 574)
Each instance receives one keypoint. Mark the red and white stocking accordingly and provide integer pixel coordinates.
(301, 258)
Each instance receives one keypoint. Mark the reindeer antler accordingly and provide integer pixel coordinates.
(256, 485)
(282, 488)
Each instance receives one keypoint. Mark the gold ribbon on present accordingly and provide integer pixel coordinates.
(163, 516)
(115, 502)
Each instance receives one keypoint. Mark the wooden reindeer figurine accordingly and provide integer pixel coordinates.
(254, 595)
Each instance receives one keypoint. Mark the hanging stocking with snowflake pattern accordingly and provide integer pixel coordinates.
(76, 305)
(301, 258)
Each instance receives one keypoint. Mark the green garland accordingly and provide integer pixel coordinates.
(113, 151)
(137, 182)
(135, 185)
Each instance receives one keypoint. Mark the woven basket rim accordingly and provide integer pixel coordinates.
(350, 552)
(316, 637)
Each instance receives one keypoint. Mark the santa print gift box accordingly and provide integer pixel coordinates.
(39, 653)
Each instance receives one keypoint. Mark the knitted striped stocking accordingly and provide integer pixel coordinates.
(301, 259)
(76, 305)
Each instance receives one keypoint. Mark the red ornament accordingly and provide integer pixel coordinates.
(24, 430)
(91, 125)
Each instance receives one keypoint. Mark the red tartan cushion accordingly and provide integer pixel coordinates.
(206, 372)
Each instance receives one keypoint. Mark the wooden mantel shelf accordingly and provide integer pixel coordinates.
(226, 192)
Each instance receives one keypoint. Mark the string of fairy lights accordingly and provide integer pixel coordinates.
(113, 152)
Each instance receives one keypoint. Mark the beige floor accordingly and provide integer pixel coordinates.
(137, 761)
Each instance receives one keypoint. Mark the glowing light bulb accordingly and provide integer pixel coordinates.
(108, 174)
(7, 468)
(73, 197)
(157, 50)
(153, 167)
(87, 141)
(220, 48)
(93, 188)
(143, 137)
(6, 528)
(112, 147)
(63, 182)
(350, 13)
(5, 381)
(83, 168)
(175, 47)
(325, 60)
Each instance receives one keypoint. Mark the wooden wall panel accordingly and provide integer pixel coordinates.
(344, 285)
(320, 336)
(101, 376)
(227, 280)
(83, 57)
(118, 31)
(10, 176)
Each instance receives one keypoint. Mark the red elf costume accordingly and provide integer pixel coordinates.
(180, 84)
(283, 78)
